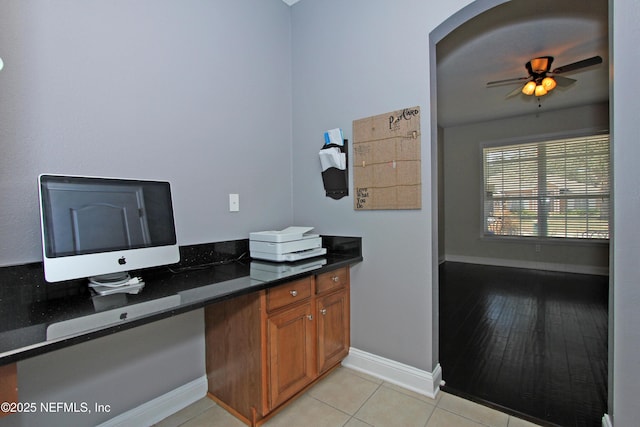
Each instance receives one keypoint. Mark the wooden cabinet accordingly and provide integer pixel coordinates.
(8, 385)
(264, 348)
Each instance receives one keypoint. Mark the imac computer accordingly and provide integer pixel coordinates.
(103, 228)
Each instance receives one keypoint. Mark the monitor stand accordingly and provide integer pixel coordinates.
(116, 283)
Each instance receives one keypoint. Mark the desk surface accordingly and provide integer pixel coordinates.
(37, 317)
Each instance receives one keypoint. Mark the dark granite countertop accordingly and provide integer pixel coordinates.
(37, 317)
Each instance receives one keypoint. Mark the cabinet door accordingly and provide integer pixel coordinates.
(333, 329)
(291, 356)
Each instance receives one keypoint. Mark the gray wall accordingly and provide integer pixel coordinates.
(194, 92)
(463, 185)
(375, 59)
(77, 76)
(124, 371)
(354, 59)
(624, 314)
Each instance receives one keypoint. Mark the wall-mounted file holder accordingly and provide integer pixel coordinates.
(336, 180)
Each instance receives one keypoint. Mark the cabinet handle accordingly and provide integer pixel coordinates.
(294, 293)
(310, 316)
(323, 311)
(335, 279)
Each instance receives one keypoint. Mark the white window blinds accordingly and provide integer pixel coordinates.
(550, 189)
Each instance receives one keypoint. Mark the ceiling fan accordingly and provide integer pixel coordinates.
(542, 79)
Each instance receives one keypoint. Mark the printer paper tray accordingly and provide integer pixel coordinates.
(292, 256)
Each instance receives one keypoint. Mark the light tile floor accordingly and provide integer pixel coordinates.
(347, 398)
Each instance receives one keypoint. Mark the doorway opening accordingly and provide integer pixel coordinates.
(523, 320)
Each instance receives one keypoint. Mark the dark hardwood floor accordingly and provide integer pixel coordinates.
(529, 342)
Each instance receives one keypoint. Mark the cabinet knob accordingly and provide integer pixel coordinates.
(323, 311)
(310, 316)
(335, 279)
(294, 293)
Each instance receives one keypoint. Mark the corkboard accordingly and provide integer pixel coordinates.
(386, 164)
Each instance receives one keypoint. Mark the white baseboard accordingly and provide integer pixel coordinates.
(161, 407)
(422, 382)
(534, 265)
(606, 421)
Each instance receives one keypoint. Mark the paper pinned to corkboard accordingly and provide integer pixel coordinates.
(386, 165)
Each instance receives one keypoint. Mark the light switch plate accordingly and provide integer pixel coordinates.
(234, 202)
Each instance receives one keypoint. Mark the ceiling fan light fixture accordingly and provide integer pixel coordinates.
(529, 88)
(540, 90)
(548, 83)
(538, 83)
(539, 65)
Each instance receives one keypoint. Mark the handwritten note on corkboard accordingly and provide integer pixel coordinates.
(386, 165)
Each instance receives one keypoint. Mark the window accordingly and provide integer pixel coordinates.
(549, 189)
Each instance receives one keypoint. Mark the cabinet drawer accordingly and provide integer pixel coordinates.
(288, 293)
(331, 280)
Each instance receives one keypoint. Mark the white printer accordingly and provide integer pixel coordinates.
(290, 244)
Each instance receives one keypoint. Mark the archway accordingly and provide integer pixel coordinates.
(458, 21)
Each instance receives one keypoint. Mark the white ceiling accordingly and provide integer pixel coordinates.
(497, 44)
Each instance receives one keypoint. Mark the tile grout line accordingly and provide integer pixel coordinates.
(352, 416)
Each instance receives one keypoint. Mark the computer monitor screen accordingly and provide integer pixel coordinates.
(98, 226)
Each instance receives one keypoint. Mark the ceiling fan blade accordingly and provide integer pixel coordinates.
(578, 65)
(564, 81)
(514, 92)
(507, 81)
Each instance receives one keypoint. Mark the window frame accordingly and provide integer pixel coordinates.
(534, 139)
